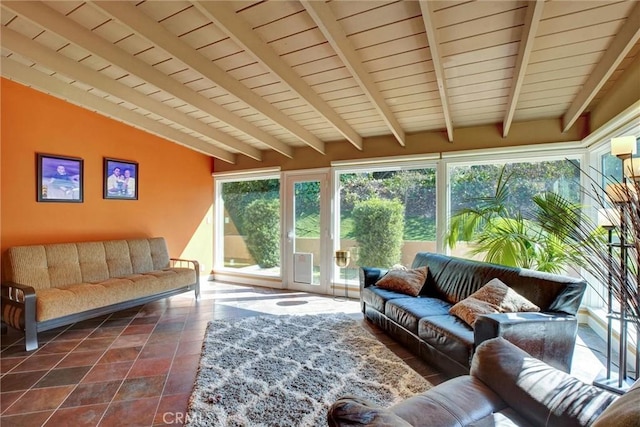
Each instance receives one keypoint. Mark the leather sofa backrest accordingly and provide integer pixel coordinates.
(541, 394)
(453, 279)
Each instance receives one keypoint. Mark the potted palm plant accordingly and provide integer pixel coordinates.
(558, 233)
(503, 234)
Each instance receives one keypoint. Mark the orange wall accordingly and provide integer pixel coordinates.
(175, 187)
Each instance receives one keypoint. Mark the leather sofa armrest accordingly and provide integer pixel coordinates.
(459, 401)
(540, 393)
(354, 411)
(370, 275)
(568, 301)
(462, 400)
(546, 336)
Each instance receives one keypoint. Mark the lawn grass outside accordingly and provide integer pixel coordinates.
(416, 228)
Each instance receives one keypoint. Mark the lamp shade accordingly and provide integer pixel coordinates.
(608, 218)
(620, 193)
(342, 258)
(631, 168)
(623, 146)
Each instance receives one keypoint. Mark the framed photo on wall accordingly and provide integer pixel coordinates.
(59, 178)
(120, 179)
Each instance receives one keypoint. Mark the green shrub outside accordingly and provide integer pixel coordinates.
(415, 228)
(262, 227)
(238, 195)
(379, 229)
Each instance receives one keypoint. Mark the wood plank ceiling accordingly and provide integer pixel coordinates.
(236, 78)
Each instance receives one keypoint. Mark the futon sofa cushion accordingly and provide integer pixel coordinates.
(61, 301)
(46, 286)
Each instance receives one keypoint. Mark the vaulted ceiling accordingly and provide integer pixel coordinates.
(236, 78)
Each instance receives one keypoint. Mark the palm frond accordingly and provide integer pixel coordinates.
(465, 223)
(557, 233)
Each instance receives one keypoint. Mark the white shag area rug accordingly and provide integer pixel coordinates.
(287, 371)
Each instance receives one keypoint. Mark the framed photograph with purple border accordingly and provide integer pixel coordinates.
(59, 178)
(120, 179)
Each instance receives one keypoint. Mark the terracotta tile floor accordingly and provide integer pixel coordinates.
(137, 367)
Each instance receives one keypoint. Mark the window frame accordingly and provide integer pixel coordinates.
(376, 165)
(496, 157)
(587, 154)
(219, 268)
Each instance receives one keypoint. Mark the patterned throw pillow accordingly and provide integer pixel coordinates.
(405, 281)
(494, 297)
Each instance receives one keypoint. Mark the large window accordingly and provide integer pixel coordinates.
(250, 228)
(383, 213)
(502, 196)
(386, 215)
(611, 167)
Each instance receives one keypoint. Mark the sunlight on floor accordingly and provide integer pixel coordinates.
(241, 301)
(588, 363)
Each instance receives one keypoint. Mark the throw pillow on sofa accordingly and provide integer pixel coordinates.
(405, 281)
(494, 297)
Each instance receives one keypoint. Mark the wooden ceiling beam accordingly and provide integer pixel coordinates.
(80, 36)
(624, 40)
(17, 43)
(532, 19)
(55, 22)
(85, 99)
(426, 7)
(224, 16)
(144, 26)
(335, 35)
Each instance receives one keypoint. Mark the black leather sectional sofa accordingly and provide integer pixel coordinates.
(423, 323)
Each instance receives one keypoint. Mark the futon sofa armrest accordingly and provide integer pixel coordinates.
(17, 294)
(370, 275)
(189, 263)
(18, 309)
(543, 395)
(549, 337)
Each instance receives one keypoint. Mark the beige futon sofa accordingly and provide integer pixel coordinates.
(48, 286)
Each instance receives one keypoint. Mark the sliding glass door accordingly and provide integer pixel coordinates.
(307, 253)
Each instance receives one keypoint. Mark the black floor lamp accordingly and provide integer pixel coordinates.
(621, 219)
